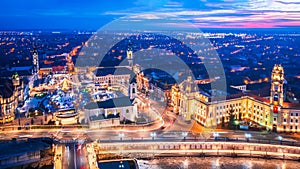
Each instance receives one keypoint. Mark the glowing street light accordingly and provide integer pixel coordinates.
(216, 135)
(121, 135)
(280, 138)
(153, 134)
(186, 163)
(121, 165)
(184, 134)
(248, 136)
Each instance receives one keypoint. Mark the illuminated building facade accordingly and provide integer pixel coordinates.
(276, 97)
(112, 76)
(129, 54)
(11, 95)
(35, 60)
(274, 113)
(70, 64)
(111, 112)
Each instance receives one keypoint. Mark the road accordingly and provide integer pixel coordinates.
(74, 156)
(113, 134)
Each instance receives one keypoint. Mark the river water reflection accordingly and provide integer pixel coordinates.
(216, 163)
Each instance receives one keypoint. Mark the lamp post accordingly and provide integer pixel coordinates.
(216, 135)
(121, 165)
(280, 139)
(248, 136)
(184, 134)
(153, 134)
(121, 136)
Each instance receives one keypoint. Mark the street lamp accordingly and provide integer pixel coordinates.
(121, 165)
(184, 134)
(153, 134)
(248, 136)
(186, 163)
(216, 135)
(121, 135)
(280, 139)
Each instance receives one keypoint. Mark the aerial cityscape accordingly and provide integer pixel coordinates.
(151, 84)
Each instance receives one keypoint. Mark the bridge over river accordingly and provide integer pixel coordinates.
(149, 149)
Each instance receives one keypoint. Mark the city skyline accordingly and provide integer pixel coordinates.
(18, 14)
(150, 84)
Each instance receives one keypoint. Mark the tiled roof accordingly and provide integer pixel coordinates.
(6, 88)
(113, 71)
(291, 105)
(111, 103)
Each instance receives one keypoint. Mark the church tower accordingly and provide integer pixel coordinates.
(276, 97)
(70, 64)
(35, 60)
(16, 80)
(132, 90)
(130, 55)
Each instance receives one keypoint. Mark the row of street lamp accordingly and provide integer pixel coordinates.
(153, 135)
(185, 134)
(247, 136)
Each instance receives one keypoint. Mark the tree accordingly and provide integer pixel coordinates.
(223, 122)
(231, 118)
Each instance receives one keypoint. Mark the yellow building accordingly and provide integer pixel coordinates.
(189, 101)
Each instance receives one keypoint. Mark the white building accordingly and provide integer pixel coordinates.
(111, 112)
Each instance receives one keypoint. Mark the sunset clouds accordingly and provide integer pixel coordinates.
(93, 14)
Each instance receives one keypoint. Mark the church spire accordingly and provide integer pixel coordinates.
(35, 60)
(130, 54)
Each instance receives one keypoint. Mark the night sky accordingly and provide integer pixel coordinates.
(78, 14)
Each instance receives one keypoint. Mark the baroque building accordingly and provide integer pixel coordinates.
(193, 101)
(11, 95)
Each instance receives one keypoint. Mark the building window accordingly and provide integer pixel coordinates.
(296, 114)
(296, 127)
(284, 120)
(292, 114)
(291, 120)
(296, 120)
(284, 127)
(291, 127)
(275, 119)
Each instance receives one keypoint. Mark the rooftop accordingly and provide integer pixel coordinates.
(6, 88)
(112, 71)
(110, 103)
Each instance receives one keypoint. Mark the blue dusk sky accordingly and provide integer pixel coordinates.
(92, 14)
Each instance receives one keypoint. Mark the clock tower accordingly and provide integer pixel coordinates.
(276, 97)
(130, 55)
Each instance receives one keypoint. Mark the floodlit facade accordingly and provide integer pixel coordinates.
(11, 95)
(190, 102)
(111, 112)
